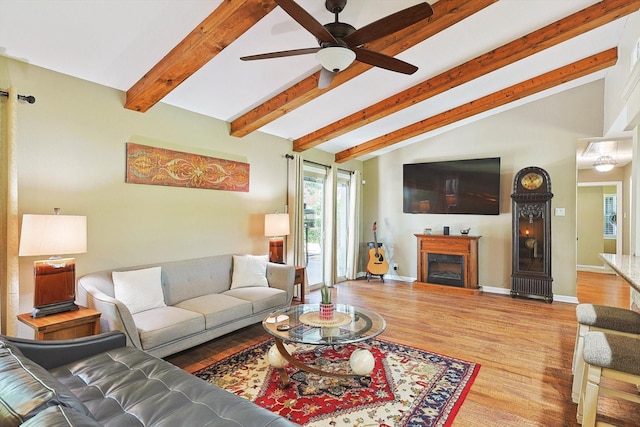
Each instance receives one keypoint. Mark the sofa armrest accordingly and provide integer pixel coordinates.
(281, 276)
(54, 353)
(115, 315)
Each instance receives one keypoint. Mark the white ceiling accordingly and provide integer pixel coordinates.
(619, 148)
(115, 42)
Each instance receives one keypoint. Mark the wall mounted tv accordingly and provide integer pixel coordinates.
(452, 187)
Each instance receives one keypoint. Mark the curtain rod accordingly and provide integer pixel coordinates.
(317, 164)
(30, 99)
(289, 156)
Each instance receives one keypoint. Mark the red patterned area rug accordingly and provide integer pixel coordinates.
(408, 386)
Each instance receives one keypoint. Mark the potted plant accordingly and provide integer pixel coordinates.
(326, 306)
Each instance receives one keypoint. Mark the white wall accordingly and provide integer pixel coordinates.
(618, 111)
(622, 114)
(542, 133)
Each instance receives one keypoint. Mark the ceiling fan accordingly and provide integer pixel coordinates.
(340, 43)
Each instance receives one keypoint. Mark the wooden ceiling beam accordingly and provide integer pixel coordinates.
(571, 26)
(445, 14)
(224, 25)
(521, 90)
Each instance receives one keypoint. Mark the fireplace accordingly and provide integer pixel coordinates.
(443, 269)
(448, 263)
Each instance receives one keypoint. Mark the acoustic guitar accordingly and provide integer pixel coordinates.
(377, 264)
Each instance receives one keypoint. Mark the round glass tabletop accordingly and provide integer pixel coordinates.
(302, 324)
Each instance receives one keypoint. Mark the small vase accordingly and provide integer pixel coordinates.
(326, 311)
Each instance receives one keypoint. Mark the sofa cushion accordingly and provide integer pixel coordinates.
(249, 270)
(59, 416)
(127, 387)
(262, 299)
(139, 290)
(218, 309)
(26, 388)
(192, 278)
(165, 324)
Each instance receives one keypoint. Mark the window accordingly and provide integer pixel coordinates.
(610, 216)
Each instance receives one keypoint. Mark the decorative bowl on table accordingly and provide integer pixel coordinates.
(465, 231)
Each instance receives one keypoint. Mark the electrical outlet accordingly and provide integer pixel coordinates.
(395, 266)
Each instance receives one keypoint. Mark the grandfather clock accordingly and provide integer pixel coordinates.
(531, 238)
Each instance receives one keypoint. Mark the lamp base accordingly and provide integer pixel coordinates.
(55, 286)
(276, 252)
(61, 307)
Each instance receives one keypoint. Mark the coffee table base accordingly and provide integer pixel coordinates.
(361, 359)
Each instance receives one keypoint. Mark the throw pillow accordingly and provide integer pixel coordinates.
(249, 270)
(139, 290)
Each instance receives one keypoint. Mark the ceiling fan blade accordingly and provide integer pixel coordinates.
(384, 61)
(281, 54)
(307, 21)
(325, 79)
(389, 24)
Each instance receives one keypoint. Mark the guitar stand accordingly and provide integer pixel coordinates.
(369, 275)
(372, 245)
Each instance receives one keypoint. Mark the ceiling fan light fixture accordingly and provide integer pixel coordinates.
(604, 163)
(335, 58)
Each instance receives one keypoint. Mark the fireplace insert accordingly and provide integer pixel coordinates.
(444, 269)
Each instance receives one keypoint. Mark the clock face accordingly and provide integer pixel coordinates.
(531, 181)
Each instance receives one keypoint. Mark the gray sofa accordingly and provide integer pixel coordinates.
(200, 304)
(98, 381)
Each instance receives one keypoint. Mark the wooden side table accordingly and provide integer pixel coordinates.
(299, 280)
(62, 326)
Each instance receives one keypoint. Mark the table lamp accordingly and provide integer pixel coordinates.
(275, 227)
(55, 278)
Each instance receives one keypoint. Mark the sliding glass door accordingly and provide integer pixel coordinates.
(327, 205)
(315, 178)
(342, 224)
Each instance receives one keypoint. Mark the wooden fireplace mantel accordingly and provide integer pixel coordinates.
(463, 245)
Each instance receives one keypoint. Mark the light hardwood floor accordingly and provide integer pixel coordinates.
(524, 346)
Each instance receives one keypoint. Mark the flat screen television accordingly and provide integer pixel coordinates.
(452, 187)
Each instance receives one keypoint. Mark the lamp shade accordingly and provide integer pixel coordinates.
(276, 225)
(53, 235)
(335, 58)
(604, 163)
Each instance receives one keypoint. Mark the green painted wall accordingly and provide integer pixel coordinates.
(71, 148)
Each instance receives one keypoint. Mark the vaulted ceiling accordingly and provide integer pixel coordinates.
(474, 58)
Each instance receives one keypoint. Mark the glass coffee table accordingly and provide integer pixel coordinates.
(302, 324)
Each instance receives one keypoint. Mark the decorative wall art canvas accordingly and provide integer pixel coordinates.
(158, 166)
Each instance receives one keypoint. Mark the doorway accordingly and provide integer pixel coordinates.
(598, 228)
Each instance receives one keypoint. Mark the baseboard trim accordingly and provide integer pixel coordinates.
(595, 269)
(402, 278)
(567, 299)
(486, 289)
(505, 291)
(494, 290)
(390, 276)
